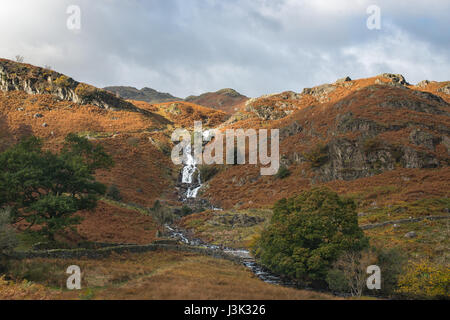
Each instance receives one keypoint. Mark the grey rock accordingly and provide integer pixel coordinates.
(342, 80)
(423, 138)
(423, 83)
(411, 235)
(445, 89)
(320, 92)
(395, 78)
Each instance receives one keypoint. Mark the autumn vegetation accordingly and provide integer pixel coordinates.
(58, 184)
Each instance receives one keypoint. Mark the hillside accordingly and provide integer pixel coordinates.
(342, 132)
(136, 134)
(380, 141)
(145, 94)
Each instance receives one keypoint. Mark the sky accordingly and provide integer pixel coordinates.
(256, 47)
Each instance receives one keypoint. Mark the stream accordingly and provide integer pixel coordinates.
(244, 255)
(192, 184)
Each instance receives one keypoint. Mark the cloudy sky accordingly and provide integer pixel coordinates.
(254, 46)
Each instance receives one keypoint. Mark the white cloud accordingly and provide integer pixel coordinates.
(399, 52)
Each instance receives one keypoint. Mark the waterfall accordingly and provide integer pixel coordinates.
(189, 170)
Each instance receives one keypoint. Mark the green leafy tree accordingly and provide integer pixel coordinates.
(307, 234)
(45, 189)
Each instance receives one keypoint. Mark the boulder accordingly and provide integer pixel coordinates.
(342, 80)
(320, 92)
(395, 78)
(411, 235)
(423, 83)
(445, 89)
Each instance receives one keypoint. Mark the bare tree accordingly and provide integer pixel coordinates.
(353, 266)
(19, 58)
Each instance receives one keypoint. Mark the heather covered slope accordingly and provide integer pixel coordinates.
(16, 76)
(381, 141)
(341, 133)
(136, 134)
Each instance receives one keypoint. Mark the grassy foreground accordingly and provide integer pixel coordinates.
(154, 275)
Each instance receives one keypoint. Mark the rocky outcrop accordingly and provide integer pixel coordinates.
(365, 154)
(273, 106)
(16, 76)
(395, 78)
(320, 92)
(423, 138)
(290, 130)
(423, 84)
(343, 80)
(445, 89)
(350, 160)
(269, 112)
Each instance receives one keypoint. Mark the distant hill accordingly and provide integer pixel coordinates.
(225, 100)
(145, 94)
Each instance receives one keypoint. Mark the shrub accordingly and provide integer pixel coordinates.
(8, 240)
(317, 156)
(207, 172)
(392, 263)
(425, 280)
(164, 147)
(85, 91)
(162, 214)
(185, 210)
(307, 234)
(337, 281)
(113, 193)
(283, 172)
(63, 81)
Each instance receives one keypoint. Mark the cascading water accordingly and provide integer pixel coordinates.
(190, 176)
(189, 170)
